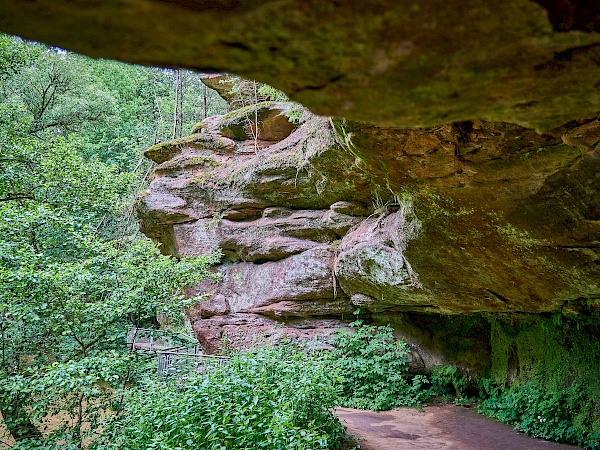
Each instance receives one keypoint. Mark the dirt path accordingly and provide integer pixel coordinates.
(438, 427)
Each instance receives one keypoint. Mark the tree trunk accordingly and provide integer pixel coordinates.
(16, 419)
(158, 133)
(181, 91)
(176, 105)
(205, 110)
(255, 86)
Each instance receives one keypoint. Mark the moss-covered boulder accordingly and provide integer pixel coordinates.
(265, 121)
(160, 153)
(220, 82)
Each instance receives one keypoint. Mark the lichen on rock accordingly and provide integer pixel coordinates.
(371, 259)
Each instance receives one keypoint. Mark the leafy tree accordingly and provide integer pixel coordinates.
(14, 55)
(117, 110)
(69, 292)
(74, 275)
(53, 92)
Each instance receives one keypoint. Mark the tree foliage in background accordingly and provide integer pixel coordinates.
(74, 274)
(117, 110)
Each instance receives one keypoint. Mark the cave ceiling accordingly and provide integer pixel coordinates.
(404, 63)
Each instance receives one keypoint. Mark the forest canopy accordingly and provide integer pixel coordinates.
(75, 274)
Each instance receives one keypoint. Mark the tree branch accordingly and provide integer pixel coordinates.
(18, 197)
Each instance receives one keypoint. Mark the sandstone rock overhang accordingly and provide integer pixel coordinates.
(402, 63)
(336, 217)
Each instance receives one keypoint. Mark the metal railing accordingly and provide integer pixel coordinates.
(176, 363)
(172, 359)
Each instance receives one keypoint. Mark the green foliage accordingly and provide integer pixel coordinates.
(144, 107)
(14, 55)
(69, 290)
(374, 369)
(448, 379)
(273, 94)
(66, 317)
(544, 377)
(272, 398)
(543, 413)
(77, 394)
(115, 109)
(74, 275)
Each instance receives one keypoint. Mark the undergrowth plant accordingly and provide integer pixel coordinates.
(270, 398)
(542, 413)
(374, 369)
(544, 376)
(449, 382)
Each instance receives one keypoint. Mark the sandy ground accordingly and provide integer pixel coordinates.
(446, 427)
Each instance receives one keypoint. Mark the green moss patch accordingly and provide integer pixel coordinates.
(547, 368)
(164, 151)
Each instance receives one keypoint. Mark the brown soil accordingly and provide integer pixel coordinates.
(446, 427)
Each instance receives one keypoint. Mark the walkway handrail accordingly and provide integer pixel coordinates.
(167, 356)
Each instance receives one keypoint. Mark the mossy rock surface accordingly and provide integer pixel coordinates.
(164, 151)
(390, 62)
(241, 124)
(558, 354)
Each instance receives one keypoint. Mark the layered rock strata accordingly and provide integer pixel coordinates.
(275, 209)
(336, 217)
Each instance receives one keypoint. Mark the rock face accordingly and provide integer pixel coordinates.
(472, 217)
(400, 63)
(277, 211)
(510, 217)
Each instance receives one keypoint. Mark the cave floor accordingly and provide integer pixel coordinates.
(446, 427)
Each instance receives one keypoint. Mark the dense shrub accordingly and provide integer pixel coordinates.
(272, 398)
(374, 370)
(541, 413)
(544, 378)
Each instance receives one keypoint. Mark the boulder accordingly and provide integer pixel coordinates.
(248, 286)
(219, 82)
(165, 151)
(241, 331)
(266, 121)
